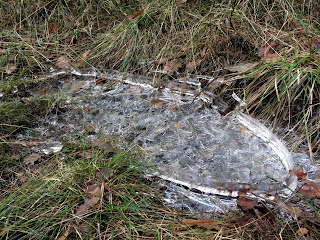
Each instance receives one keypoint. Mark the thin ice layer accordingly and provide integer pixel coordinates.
(183, 141)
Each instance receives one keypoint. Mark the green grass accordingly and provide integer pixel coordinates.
(44, 207)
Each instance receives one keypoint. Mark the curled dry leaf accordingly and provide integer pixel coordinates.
(62, 62)
(32, 158)
(11, 68)
(299, 173)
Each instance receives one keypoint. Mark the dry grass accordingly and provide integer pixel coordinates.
(193, 36)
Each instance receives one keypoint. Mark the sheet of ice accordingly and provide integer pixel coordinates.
(183, 141)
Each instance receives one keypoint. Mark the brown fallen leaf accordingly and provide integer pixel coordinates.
(63, 236)
(52, 28)
(11, 68)
(106, 173)
(134, 88)
(173, 65)
(32, 158)
(94, 190)
(87, 155)
(302, 231)
(191, 66)
(104, 145)
(246, 203)
(157, 103)
(77, 86)
(299, 173)
(85, 208)
(309, 189)
(133, 16)
(173, 107)
(315, 43)
(84, 227)
(208, 224)
(83, 58)
(203, 52)
(268, 54)
(62, 62)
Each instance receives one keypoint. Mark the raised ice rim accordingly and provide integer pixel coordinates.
(271, 140)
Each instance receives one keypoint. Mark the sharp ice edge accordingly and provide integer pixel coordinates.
(208, 190)
(275, 144)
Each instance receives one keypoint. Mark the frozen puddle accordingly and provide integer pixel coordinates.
(184, 142)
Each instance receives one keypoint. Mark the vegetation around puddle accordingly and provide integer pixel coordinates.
(267, 52)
